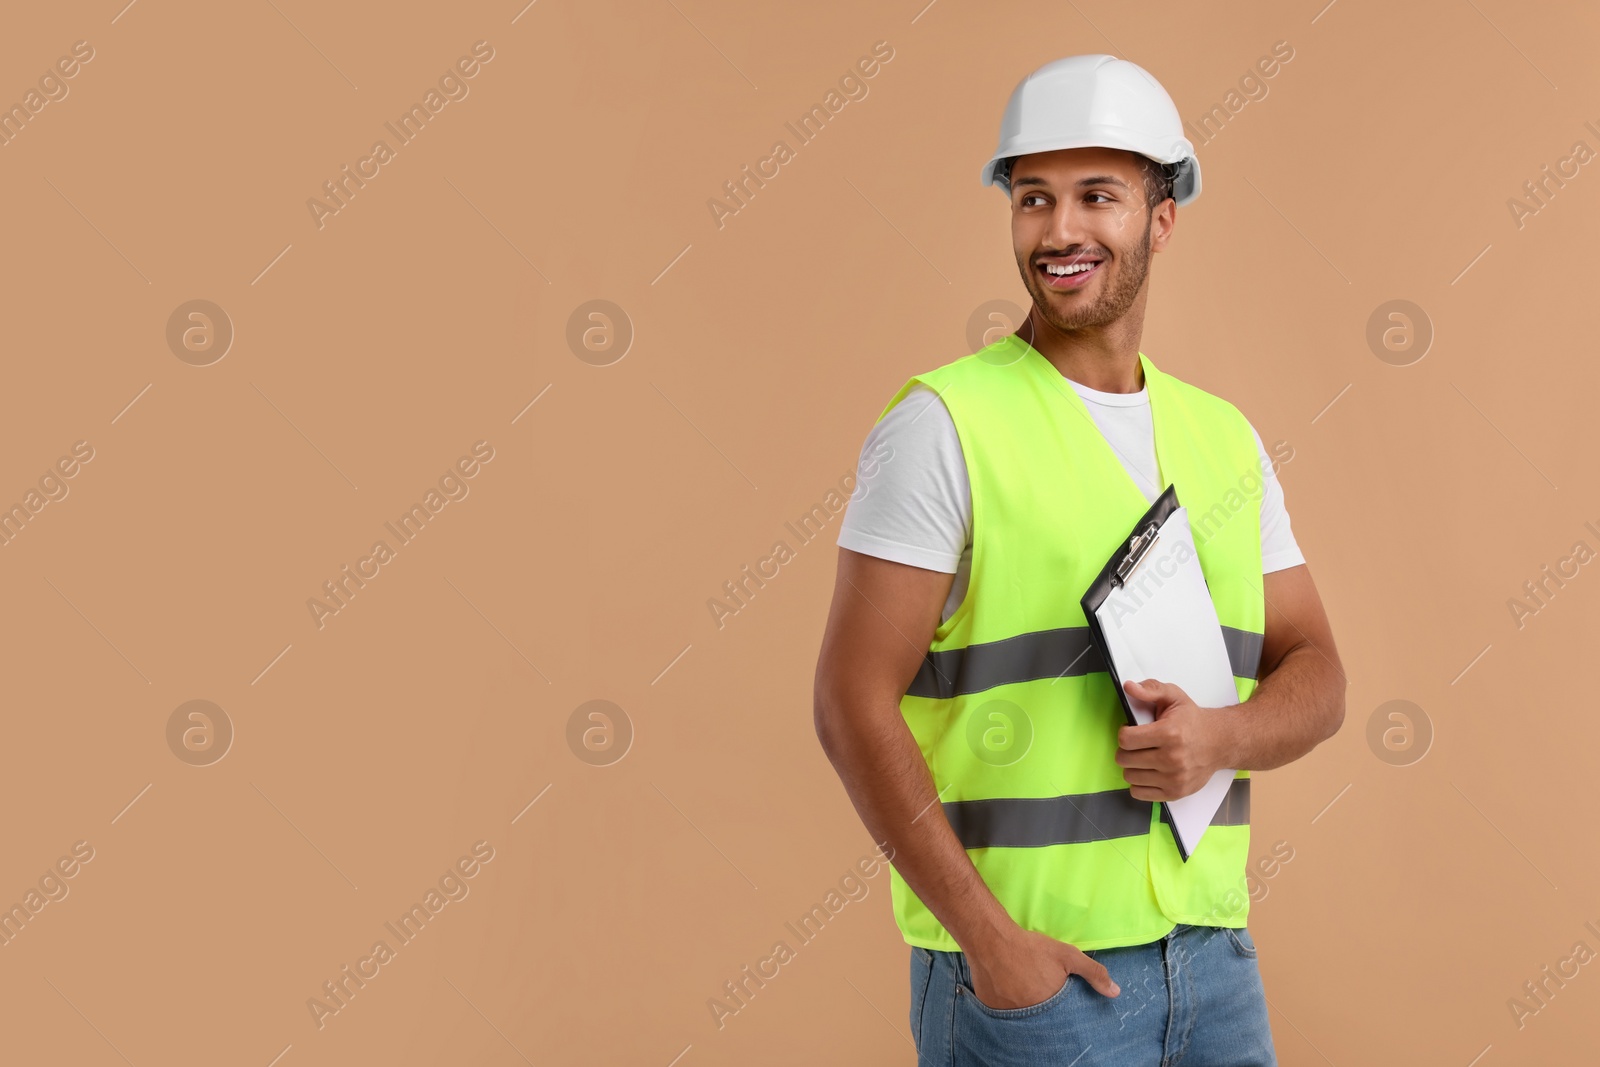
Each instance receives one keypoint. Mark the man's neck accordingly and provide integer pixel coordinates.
(1101, 357)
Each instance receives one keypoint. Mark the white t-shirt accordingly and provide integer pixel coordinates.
(913, 503)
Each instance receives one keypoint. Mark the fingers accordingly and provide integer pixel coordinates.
(1155, 691)
(1096, 974)
(1158, 698)
(1149, 779)
(1134, 756)
(1090, 970)
(1150, 735)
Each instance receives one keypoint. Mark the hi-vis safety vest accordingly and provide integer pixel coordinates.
(1013, 708)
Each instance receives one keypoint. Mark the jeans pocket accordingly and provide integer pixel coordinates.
(1241, 941)
(1055, 999)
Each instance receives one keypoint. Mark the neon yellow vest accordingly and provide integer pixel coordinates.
(1013, 708)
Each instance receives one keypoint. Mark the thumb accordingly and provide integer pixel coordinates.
(1095, 974)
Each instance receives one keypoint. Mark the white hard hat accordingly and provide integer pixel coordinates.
(1094, 101)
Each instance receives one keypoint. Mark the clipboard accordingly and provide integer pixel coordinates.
(1150, 615)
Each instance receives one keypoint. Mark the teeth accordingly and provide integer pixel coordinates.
(1076, 268)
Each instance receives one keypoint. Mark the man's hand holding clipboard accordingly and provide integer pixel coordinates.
(1175, 755)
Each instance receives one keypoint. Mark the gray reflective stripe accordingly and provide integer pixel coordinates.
(1235, 807)
(1029, 822)
(1024, 658)
(1244, 651)
(1063, 653)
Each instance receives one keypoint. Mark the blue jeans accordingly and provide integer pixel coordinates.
(1191, 999)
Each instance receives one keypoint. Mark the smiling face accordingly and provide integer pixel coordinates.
(1083, 233)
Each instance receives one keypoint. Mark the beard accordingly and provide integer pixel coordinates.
(1068, 312)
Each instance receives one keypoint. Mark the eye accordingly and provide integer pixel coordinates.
(1030, 196)
(1107, 197)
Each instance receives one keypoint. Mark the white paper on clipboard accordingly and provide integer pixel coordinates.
(1160, 623)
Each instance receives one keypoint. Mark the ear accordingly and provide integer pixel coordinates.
(1162, 221)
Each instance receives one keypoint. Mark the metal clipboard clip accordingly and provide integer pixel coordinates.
(1138, 545)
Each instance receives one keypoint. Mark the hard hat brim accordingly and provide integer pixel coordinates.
(1184, 188)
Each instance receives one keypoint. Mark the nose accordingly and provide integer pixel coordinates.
(1068, 226)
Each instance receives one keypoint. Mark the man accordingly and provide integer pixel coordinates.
(957, 695)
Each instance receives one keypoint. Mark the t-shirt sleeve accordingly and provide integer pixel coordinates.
(1279, 549)
(912, 502)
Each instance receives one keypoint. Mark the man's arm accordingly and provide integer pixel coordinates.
(879, 628)
(1298, 704)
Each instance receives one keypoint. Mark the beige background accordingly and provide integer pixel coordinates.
(432, 711)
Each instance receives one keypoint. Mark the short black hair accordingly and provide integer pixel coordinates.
(1158, 178)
